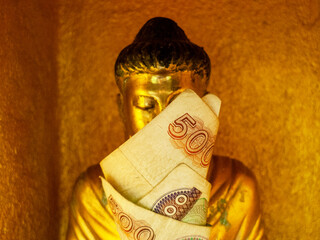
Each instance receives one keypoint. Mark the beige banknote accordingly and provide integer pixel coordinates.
(183, 133)
(134, 222)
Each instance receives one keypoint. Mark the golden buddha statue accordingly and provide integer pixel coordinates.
(150, 73)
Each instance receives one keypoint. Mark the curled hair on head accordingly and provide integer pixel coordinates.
(161, 45)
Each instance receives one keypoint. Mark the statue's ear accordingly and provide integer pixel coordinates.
(120, 105)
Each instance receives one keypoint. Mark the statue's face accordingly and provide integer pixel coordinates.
(146, 95)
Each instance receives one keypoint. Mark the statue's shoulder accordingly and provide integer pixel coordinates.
(234, 199)
(233, 183)
(89, 217)
(228, 171)
(88, 185)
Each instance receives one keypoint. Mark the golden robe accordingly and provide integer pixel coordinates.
(234, 206)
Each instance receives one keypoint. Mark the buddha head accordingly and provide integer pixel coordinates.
(159, 64)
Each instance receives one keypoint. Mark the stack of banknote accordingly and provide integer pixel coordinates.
(155, 182)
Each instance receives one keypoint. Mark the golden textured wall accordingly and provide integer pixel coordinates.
(58, 114)
(28, 139)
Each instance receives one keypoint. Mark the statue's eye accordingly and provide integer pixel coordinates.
(144, 102)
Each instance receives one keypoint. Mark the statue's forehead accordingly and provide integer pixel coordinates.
(154, 86)
(164, 80)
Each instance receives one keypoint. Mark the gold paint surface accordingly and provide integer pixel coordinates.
(28, 140)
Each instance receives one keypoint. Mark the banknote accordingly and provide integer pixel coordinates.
(184, 132)
(134, 222)
(183, 195)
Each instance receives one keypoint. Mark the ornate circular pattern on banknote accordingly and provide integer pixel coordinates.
(144, 233)
(125, 222)
(196, 141)
(176, 204)
(170, 210)
(182, 199)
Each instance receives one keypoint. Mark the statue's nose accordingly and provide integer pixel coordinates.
(162, 104)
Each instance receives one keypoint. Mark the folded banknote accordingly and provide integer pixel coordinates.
(134, 222)
(163, 167)
(183, 195)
